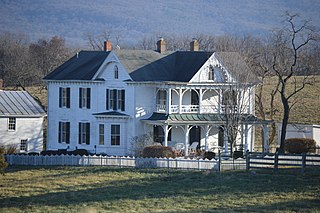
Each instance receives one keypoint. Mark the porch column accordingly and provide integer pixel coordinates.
(226, 145)
(200, 101)
(186, 143)
(241, 132)
(206, 139)
(246, 137)
(165, 135)
(168, 111)
(265, 138)
(180, 100)
(219, 101)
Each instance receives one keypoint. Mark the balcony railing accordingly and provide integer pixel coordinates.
(197, 109)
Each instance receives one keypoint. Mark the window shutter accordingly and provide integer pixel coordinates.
(68, 97)
(107, 99)
(68, 132)
(59, 133)
(123, 100)
(80, 97)
(87, 133)
(60, 97)
(88, 97)
(79, 133)
(115, 99)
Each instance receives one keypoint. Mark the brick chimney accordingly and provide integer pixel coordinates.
(1, 84)
(194, 45)
(107, 46)
(161, 45)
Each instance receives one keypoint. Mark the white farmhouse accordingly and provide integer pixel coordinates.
(100, 100)
(21, 121)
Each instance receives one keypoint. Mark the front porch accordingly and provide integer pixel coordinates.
(208, 130)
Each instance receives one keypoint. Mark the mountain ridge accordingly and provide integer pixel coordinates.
(134, 20)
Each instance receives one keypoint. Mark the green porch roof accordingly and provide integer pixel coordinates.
(201, 118)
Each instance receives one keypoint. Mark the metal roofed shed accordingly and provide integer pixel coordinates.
(19, 104)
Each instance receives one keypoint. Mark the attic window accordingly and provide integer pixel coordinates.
(211, 73)
(116, 72)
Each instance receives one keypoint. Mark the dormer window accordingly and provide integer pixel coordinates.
(116, 72)
(211, 73)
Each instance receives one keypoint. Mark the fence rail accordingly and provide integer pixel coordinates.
(170, 163)
(275, 161)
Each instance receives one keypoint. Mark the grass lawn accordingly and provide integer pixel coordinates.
(105, 189)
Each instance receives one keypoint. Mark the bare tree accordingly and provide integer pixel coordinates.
(290, 45)
(96, 42)
(46, 55)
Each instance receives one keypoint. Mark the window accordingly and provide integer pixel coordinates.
(64, 132)
(115, 99)
(211, 73)
(162, 97)
(64, 97)
(12, 124)
(23, 145)
(115, 135)
(84, 98)
(158, 134)
(116, 72)
(84, 133)
(101, 134)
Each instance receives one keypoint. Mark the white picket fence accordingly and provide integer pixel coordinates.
(72, 160)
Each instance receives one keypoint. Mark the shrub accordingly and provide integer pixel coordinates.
(237, 154)
(157, 151)
(300, 145)
(11, 150)
(33, 153)
(209, 155)
(80, 152)
(139, 142)
(3, 163)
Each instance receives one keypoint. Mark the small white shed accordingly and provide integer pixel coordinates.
(301, 131)
(21, 121)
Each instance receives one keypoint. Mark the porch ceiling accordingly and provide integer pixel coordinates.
(200, 118)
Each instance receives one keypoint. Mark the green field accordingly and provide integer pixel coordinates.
(105, 189)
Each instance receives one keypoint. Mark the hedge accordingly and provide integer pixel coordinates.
(157, 151)
(300, 145)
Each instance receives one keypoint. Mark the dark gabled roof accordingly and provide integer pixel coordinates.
(19, 103)
(135, 59)
(179, 66)
(82, 66)
(147, 65)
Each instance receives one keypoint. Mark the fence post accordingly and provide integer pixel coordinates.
(304, 159)
(247, 160)
(276, 159)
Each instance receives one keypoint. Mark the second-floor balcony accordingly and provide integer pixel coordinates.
(201, 101)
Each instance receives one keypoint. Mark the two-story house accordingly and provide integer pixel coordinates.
(100, 100)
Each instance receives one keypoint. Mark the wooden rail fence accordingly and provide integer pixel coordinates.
(276, 161)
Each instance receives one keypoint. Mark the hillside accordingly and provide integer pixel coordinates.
(307, 108)
(133, 20)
